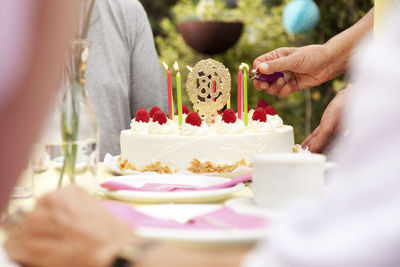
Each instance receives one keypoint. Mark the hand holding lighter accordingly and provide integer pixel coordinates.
(255, 74)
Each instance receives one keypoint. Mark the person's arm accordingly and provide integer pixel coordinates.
(42, 28)
(169, 255)
(149, 85)
(342, 45)
(312, 65)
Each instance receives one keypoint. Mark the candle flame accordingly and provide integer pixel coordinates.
(189, 68)
(245, 66)
(165, 66)
(176, 66)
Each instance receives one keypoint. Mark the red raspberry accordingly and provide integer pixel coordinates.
(142, 108)
(153, 111)
(259, 115)
(185, 110)
(262, 103)
(270, 110)
(229, 116)
(160, 117)
(193, 119)
(142, 115)
(220, 112)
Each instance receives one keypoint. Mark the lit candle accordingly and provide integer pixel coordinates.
(178, 93)
(191, 69)
(228, 105)
(170, 96)
(240, 93)
(246, 70)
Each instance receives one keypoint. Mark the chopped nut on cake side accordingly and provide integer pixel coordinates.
(157, 167)
(124, 164)
(208, 167)
(196, 166)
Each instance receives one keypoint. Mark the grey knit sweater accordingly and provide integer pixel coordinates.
(123, 72)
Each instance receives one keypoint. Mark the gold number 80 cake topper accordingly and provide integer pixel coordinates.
(209, 88)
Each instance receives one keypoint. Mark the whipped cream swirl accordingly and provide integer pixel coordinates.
(188, 129)
(230, 128)
(166, 129)
(139, 126)
(273, 122)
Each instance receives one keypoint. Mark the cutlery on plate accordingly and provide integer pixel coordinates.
(240, 179)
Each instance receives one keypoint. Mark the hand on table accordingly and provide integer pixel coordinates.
(69, 228)
(329, 126)
(308, 66)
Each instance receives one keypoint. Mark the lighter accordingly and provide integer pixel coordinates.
(255, 74)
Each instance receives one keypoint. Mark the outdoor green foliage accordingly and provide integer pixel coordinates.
(157, 10)
(263, 32)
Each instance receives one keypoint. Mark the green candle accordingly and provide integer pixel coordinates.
(178, 93)
(246, 69)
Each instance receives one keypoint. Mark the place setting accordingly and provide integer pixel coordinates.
(157, 188)
(207, 224)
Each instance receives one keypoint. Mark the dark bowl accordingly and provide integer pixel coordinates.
(210, 37)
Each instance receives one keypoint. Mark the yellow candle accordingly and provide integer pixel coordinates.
(178, 93)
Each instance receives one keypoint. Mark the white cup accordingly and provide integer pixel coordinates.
(281, 179)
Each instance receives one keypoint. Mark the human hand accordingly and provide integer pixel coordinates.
(329, 126)
(308, 66)
(69, 228)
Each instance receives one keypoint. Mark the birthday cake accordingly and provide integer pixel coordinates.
(156, 143)
(208, 140)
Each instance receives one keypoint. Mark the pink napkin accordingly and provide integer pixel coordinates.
(155, 187)
(221, 219)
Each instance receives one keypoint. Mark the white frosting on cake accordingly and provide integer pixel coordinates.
(139, 126)
(230, 128)
(188, 129)
(221, 143)
(167, 128)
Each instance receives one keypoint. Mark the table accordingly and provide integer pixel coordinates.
(46, 182)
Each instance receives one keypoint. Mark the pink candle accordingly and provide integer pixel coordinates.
(170, 104)
(170, 101)
(240, 95)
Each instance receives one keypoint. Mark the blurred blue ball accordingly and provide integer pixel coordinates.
(300, 16)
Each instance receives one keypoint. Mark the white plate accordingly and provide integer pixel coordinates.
(247, 204)
(112, 164)
(217, 237)
(174, 197)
